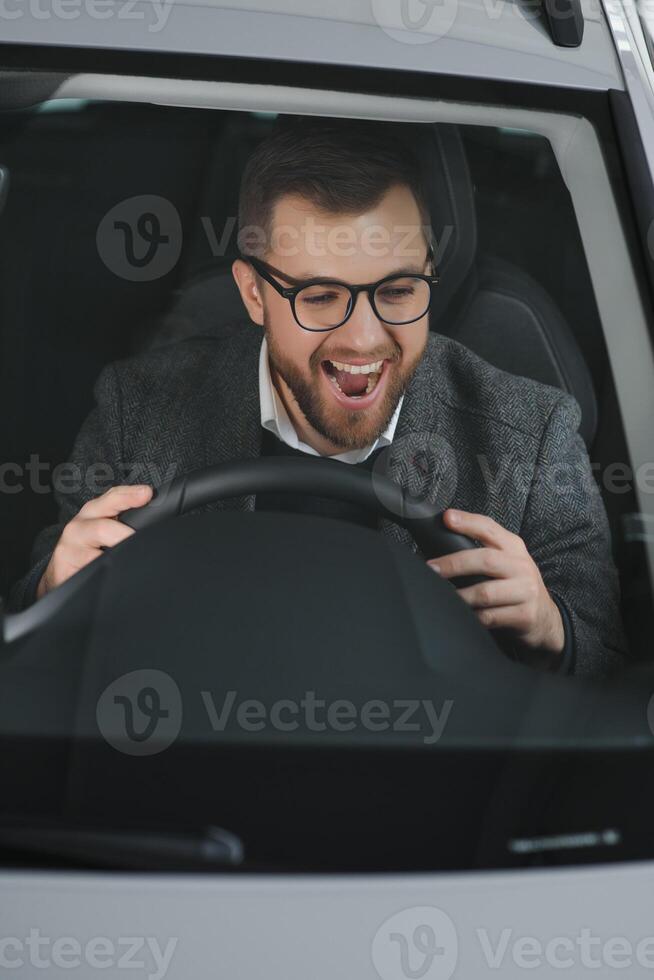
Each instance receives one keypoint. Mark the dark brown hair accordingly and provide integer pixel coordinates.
(341, 166)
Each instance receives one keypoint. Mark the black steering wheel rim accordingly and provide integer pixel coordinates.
(319, 477)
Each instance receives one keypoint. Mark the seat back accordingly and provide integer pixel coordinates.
(512, 323)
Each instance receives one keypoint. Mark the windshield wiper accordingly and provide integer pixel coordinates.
(144, 850)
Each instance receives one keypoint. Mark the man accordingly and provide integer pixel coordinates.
(338, 271)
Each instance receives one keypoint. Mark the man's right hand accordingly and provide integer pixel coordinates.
(94, 528)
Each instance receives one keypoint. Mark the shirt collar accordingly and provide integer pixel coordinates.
(275, 419)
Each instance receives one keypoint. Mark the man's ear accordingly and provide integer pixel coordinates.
(250, 293)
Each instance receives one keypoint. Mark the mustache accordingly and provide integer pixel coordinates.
(394, 354)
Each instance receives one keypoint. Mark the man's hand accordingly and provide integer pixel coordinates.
(515, 597)
(91, 530)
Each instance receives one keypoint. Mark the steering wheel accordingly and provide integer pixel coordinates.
(323, 478)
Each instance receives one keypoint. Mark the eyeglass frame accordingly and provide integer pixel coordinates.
(267, 272)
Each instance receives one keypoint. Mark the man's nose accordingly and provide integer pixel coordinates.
(364, 330)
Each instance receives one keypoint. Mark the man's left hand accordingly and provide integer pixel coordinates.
(515, 597)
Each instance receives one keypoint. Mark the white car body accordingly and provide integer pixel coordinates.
(546, 920)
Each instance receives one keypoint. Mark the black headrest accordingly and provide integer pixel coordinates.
(449, 192)
(447, 185)
(513, 323)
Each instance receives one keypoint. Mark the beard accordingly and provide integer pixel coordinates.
(342, 428)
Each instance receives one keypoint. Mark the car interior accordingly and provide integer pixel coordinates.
(515, 287)
(268, 730)
(514, 284)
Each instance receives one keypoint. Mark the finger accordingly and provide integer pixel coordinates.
(483, 528)
(80, 556)
(103, 532)
(66, 561)
(116, 500)
(475, 561)
(497, 592)
(504, 617)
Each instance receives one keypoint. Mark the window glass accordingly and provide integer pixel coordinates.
(281, 661)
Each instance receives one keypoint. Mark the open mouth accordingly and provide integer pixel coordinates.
(354, 380)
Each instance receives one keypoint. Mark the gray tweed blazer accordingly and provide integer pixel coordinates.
(469, 436)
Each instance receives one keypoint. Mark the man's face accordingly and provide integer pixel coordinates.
(333, 407)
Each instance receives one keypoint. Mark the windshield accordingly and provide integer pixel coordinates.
(316, 497)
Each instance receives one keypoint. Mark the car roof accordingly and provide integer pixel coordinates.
(494, 39)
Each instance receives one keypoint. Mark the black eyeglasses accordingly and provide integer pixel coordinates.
(324, 304)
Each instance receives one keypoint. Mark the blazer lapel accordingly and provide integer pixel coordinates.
(230, 410)
(420, 458)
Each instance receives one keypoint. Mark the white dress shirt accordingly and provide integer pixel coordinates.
(275, 419)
